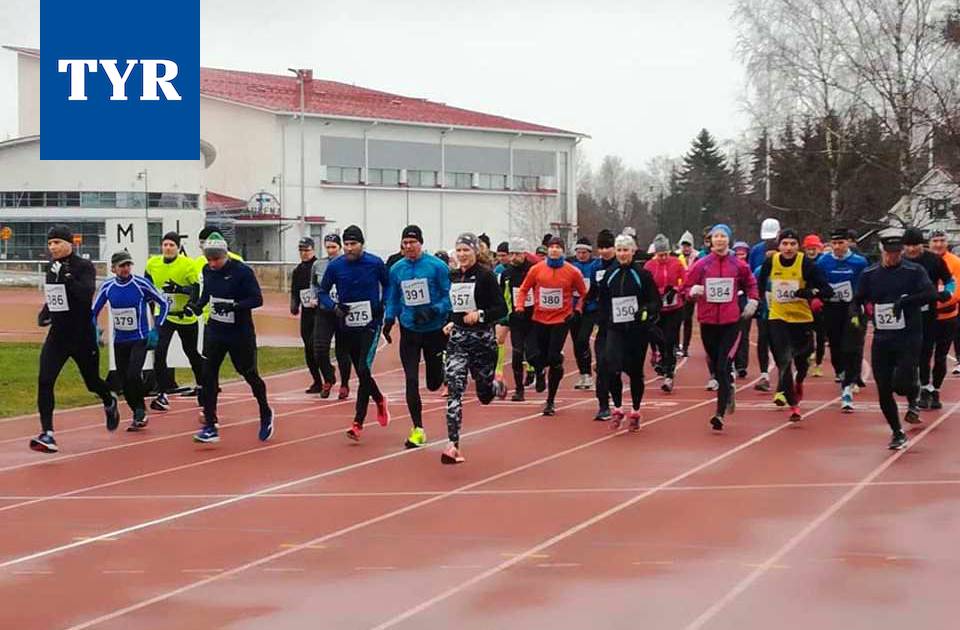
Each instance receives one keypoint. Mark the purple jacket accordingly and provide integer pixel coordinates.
(720, 304)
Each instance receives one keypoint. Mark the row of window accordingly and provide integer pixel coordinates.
(93, 199)
(428, 179)
(28, 240)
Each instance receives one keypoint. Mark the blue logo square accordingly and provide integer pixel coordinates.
(120, 80)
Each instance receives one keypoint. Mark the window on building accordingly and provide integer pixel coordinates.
(422, 179)
(383, 176)
(525, 182)
(491, 181)
(343, 175)
(458, 180)
(938, 207)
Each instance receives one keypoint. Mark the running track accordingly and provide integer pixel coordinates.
(551, 523)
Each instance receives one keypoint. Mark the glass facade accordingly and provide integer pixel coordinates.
(95, 199)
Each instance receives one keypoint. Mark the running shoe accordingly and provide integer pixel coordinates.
(924, 401)
(763, 385)
(44, 443)
(316, 388)
(780, 399)
(112, 412)
(344, 392)
(816, 371)
(193, 392)
(846, 401)
(160, 403)
(713, 385)
(686, 353)
(580, 382)
(860, 383)
(325, 390)
(518, 396)
(266, 425)
(634, 421)
(741, 374)
(499, 389)
(935, 400)
(911, 417)
(540, 382)
(838, 378)
(383, 412)
(207, 435)
(549, 409)
(602, 415)
(140, 421)
(417, 438)
(451, 456)
(795, 415)
(716, 423)
(898, 441)
(616, 418)
(354, 432)
(587, 382)
(956, 370)
(667, 385)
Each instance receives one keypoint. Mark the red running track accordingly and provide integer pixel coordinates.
(551, 522)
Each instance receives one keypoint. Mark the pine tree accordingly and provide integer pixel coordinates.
(703, 181)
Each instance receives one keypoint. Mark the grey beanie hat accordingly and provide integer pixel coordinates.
(661, 243)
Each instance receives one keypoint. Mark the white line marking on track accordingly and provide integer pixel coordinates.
(797, 538)
(546, 544)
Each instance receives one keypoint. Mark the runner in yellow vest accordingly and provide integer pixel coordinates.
(790, 280)
(176, 276)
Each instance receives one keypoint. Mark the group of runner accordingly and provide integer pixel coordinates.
(455, 312)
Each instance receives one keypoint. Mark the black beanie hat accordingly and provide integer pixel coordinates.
(483, 238)
(171, 236)
(61, 231)
(412, 231)
(786, 233)
(353, 233)
(503, 248)
(205, 233)
(605, 238)
(913, 236)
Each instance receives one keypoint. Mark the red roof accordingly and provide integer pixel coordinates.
(281, 93)
(216, 201)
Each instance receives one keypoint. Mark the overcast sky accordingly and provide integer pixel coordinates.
(641, 77)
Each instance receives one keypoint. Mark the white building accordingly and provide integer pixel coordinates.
(933, 204)
(369, 158)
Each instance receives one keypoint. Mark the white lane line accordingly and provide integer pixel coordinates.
(173, 469)
(188, 409)
(812, 526)
(261, 492)
(56, 459)
(550, 542)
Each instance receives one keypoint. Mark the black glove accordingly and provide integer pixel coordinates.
(944, 295)
(387, 327)
(191, 308)
(669, 295)
(222, 308)
(806, 293)
(898, 307)
(574, 318)
(294, 309)
(172, 287)
(43, 317)
(341, 310)
(423, 314)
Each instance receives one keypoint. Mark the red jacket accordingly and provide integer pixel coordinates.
(566, 280)
(668, 273)
(717, 268)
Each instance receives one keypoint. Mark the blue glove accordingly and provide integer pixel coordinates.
(153, 338)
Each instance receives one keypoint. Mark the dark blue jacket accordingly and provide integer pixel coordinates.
(588, 269)
(236, 283)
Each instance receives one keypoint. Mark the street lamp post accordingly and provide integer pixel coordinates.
(301, 81)
(146, 210)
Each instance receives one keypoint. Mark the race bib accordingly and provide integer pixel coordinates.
(624, 309)
(883, 318)
(415, 292)
(461, 297)
(719, 290)
(842, 291)
(359, 315)
(125, 319)
(308, 299)
(223, 318)
(56, 296)
(785, 290)
(551, 299)
(527, 303)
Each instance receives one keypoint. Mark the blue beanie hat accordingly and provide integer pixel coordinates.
(722, 227)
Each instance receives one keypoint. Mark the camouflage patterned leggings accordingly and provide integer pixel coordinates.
(473, 350)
